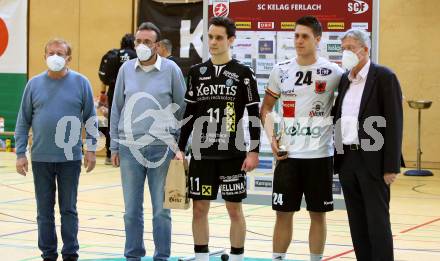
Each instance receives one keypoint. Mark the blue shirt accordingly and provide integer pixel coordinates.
(56, 109)
(148, 104)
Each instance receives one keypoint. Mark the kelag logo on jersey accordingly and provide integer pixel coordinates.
(323, 71)
(314, 132)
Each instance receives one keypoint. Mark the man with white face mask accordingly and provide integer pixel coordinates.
(148, 102)
(55, 98)
(368, 137)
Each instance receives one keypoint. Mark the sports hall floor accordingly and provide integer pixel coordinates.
(415, 215)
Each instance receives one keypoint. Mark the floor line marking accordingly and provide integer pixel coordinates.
(401, 232)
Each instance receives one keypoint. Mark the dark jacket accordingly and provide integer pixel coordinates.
(382, 96)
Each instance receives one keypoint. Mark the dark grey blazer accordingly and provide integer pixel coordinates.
(382, 96)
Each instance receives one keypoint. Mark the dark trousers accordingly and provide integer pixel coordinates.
(106, 131)
(367, 198)
(47, 177)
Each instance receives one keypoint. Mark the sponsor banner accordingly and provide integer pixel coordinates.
(285, 46)
(336, 187)
(275, 14)
(266, 47)
(287, 26)
(13, 36)
(265, 163)
(243, 47)
(334, 48)
(181, 24)
(266, 25)
(264, 66)
(243, 25)
(262, 84)
(336, 25)
(361, 26)
(262, 183)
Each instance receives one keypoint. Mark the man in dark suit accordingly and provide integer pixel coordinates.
(368, 137)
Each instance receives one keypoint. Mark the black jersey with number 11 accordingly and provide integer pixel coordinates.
(220, 93)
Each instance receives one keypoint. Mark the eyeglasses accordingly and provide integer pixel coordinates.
(354, 49)
(146, 42)
(57, 53)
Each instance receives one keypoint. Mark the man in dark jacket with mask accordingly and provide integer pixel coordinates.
(368, 138)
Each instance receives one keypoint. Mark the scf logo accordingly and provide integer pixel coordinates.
(4, 36)
(357, 7)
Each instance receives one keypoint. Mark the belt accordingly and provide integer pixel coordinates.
(352, 147)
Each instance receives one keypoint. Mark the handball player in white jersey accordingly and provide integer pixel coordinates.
(305, 87)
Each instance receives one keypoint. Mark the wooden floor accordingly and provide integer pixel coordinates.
(415, 215)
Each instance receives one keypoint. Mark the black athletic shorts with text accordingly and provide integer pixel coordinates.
(206, 176)
(312, 178)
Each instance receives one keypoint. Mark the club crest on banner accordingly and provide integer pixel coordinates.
(220, 8)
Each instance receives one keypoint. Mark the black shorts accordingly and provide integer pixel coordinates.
(206, 176)
(311, 177)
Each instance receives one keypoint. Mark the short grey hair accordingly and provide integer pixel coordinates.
(61, 42)
(359, 35)
(167, 44)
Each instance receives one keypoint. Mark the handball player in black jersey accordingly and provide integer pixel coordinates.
(218, 93)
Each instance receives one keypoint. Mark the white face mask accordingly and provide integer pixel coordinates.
(55, 63)
(143, 52)
(349, 59)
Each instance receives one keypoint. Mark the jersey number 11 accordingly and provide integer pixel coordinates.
(213, 117)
